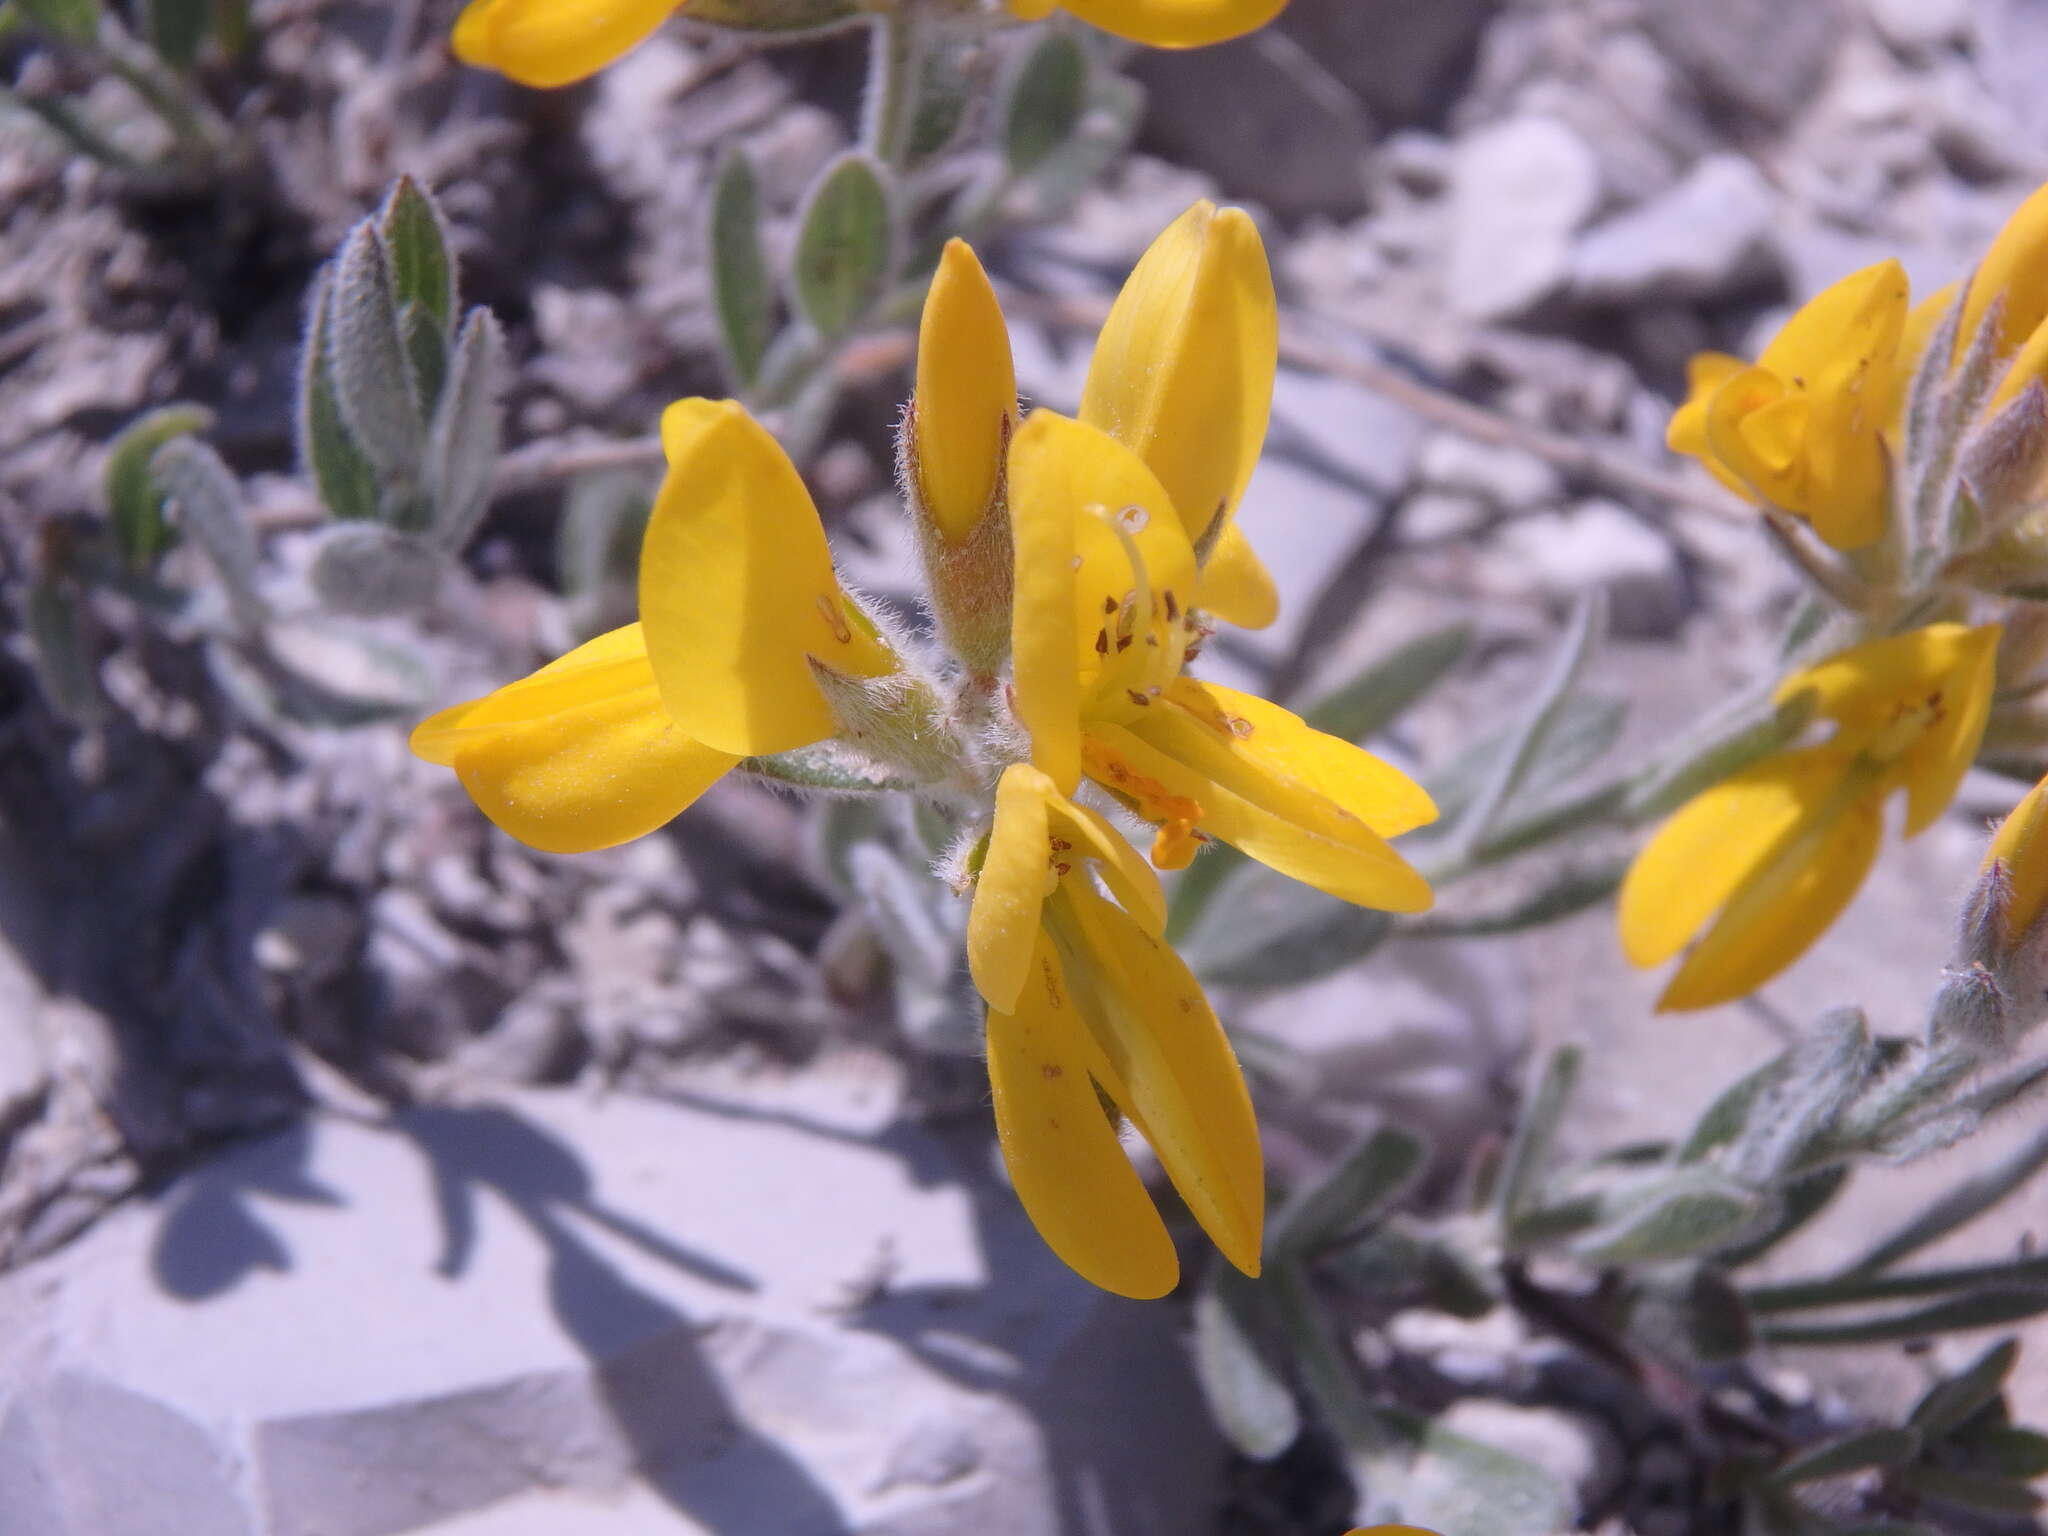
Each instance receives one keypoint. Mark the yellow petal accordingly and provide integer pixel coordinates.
(1784, 906)
(1935, 764)
(580, 755)
(737, 591)
(2022, 846)
(1015, 879)
(1864, 686)
(1123, 869)
(1235, 584)
(1358, 868)
(1175, 1075)
(554, 42)
(1745, 453)
(1183, 370)
(2029, 364)
(1704, 375)
(1715, 843)
(2014, 269)
(1175, 23)
(1081, 507)
(966, 402)
(1275, 759)
(1849, 323)
(1046, 689)
(1069, 1169)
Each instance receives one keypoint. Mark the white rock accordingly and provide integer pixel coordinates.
(1579, 1452)
(24, 1062)
(1695, 240)
(1520, 189)
(1508, 478)
(1920, 23)
(1597, 545)
(524, 1317)
(1425, 1031)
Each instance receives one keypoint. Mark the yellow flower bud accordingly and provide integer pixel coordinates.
(554, 42)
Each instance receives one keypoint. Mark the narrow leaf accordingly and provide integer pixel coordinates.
(1273, 932)
(1563, 893)
(1798, 1203)
(1950, 1402)
(1043, 105)
(135, 503)
(1505, 776)
(1378, 695)
(426, 349)
(843, 246)
(1853, 1453)
(1251, 1402)
(58, 628)
(1680, 1221)
(1529, 1152)
(1354, 1194)
(740, 289)
(328, 455)
(1971, 1490)
(463, 450)
(1822, 1074)
(1968, 1200)
(2007, 1450)
(1988, 1308)
(207, 500)
(372, 378)
(416, 236)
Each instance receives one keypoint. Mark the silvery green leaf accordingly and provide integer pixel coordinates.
(951, 82)
(829, 767)
(741, 293)
(1725, 1118)
(372, 376)
(787, 18)
(1821, 1075)
(78, 20)
(416, 237)
(1384, 689)
(135, 502)
(2007, 1450)
(1043, 100)
(1952, 1401)
(1583, 729)
(1852, 1453)
(1991, 1307)
(1250, 1400)
(899, 905)
(1917, 1136)
(1798, 1203)
(1528, 1154)
(328, 455)
(368, 570)
(1265, 930)
(328, 673)
(59, 629)
(1116, 103)
(1442, 1480)
(462, 451)
(1510, 767)
(176, 28)
(1357, 1192)
(1971, 1490)
(1565, 891)
(1740, 733)
(426, 349)
(205, 497)
(1680, 1219)
(845, 239)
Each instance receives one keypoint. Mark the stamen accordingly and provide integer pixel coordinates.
(828, 608)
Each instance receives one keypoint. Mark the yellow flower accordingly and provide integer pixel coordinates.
(1765, 860)
(1803, 429)
(738, 606)
(1083, 995)
(554, 42)
(1161, 23)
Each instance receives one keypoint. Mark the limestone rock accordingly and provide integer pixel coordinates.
(1520, 190)
(1700, 238)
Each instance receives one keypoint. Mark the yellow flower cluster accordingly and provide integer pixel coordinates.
(1814, 426)
(558, 42)
(1077, 565)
